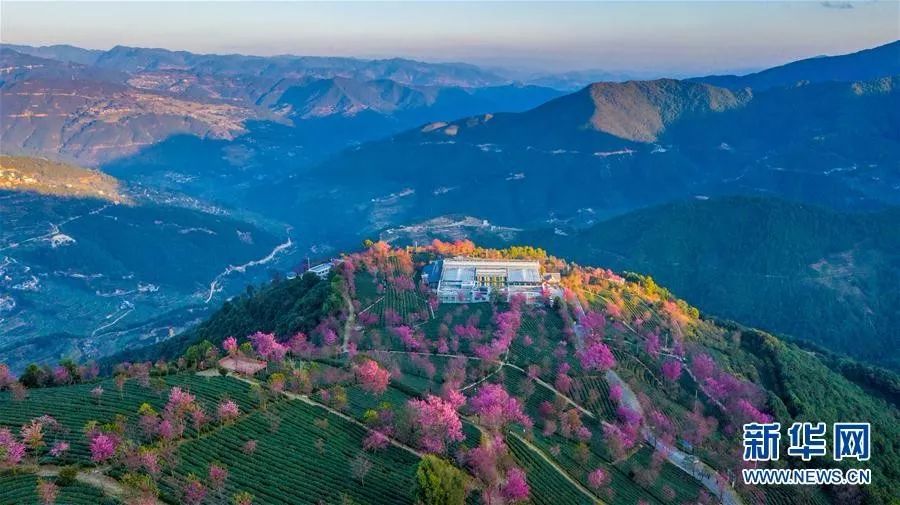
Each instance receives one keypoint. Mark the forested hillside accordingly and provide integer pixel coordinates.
(805, 271)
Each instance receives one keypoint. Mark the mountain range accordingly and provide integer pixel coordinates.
(320, 153)
(615, 147)
(93, 107)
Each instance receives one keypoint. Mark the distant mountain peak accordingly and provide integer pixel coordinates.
(641, 110)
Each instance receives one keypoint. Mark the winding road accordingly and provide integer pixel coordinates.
(703, 473)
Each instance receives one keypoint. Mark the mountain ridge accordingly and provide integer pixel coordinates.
(805, 271)
(863, 65)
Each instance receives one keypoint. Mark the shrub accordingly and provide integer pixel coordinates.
(438, 482)
(67, 475)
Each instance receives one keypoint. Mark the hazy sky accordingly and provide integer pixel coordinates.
(665, 37)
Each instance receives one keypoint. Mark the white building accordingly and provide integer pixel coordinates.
(321, 270)
(467, 280)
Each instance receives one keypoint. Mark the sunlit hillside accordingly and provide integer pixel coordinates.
(604, 389)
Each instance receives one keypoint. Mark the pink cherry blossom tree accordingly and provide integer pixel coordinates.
(596, 356)
(671, 370)
(47, 491)
(375, 441)
(515, 489)
(597, 478)
(103, 447)
(436, 423)
(228, 411)
(406, 335)
(6, 377)
(11, 450)
(217, 476)
(194, 492)
(372, 377)
(230, 346)
(703, 366)
(495, 408)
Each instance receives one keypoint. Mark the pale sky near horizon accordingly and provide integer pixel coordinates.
(660, 37)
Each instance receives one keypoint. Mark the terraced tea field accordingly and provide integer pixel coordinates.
(21, 489)
(306, 456)
(75, 406)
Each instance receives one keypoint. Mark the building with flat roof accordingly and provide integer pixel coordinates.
(467, 280)
(321, 270)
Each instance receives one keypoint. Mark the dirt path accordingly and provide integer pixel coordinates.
(350, 323)
(585, 491)
(310, 401)
(96, 477)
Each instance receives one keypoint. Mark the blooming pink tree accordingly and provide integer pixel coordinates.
(300, 345)
(495, 408)
(652, 344)
(217, 476)
(671, 370)
(507, 325)
(150, 461)
(103, 446)
(180, 401)
(194, 492)
(47, 491)
(563, 381)
(593, 323)
(597, 478)
(468, 332)
(596, 356)
(59, 449)
(516, 487)
(745, 412)
(230, 346)
(11, 450)
(267, 347)
(615, 393)
(228, 411)
(6, 377)
(703, 366)
(375, 441)
(372, 377)
(436, 422)
(618, 440)
(406, 335)
(628, 415)
(32, 434)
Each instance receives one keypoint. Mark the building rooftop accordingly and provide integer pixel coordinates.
(523, 275)
(461, 260)
(457, 274)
